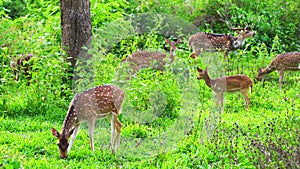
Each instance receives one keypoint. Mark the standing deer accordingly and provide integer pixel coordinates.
(143, 59)
(98, 102)
(209, 42)
(282, 62)
(221, 85)
(22, 64)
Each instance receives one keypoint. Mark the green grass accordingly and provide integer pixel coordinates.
(210, 141)
(169, 119)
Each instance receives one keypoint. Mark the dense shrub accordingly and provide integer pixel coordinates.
(154, 100)
(269, 18)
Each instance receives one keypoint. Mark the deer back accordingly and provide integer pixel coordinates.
(143, 59)
(97, 102)
(231, 83)
(237, 82)
(210, 42)
(286, 61)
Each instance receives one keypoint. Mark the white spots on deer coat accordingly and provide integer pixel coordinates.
(209, 42)
(282, 62)
(144, 59)
(97, 101)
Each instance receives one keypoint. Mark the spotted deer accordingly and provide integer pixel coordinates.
(22, 64)
(209, 42)
(281, 63)
(221, 85)
(144, 59)
(98, 102)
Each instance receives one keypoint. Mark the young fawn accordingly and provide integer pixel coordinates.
(208, 42)
(98, 102)
(22, 64)
(143, 59)
(282, 62)
(227, 84)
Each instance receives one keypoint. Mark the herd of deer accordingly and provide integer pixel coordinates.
(106, 100)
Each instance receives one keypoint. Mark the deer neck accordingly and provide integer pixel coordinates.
(207, 80)
(236, 42)
(267, 70)
(172, 55)
(71, 119)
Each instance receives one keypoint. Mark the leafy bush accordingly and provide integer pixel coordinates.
(265, 136)
(107, 11)
(269, 19)
(14, 9)
(21, 37)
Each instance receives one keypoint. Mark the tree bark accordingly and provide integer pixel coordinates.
(76, 27)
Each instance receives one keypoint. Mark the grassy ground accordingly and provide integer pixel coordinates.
(209, 139)
(169, 119)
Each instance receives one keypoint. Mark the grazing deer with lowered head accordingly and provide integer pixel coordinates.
(98, 102)
(282, 62)
(143, 59)
(208, 42)
(22, 64)
(221, 85)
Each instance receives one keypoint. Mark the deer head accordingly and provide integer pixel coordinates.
(201, 73)
(243, 33)
(172, 45)
(260, 76)
(63, 142)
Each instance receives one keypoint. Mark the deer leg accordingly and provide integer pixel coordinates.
(226, 55)
(114, 118)
(220, 98)
(28, 76)
(281, 72)
(17, 76)
(222, 101)
(246, 98)
(91, 126)
(73, 137)
(118, 129)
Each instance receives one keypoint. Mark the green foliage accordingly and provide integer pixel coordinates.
(107, 11)
(24, 36)
(26, 8)
(156, 102)
(269, 18)
(10, 164)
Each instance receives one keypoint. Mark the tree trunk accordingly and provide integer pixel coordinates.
(76, 27)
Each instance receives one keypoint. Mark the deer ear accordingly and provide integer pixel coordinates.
(167, 41)
(55, 133)
(199, 70)
(178, 41)
(206, 69)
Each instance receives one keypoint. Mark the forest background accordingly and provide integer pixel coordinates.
(185, 132)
